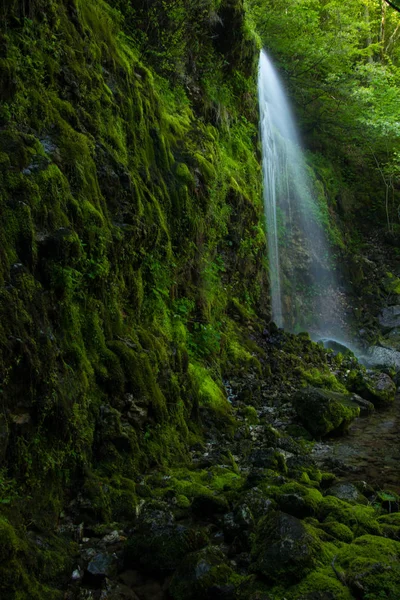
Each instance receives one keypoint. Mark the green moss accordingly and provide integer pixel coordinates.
(323, 411)
(209, 394)
(372, 562)
(200, 573)
(360, 519)
(321, 581)
(118, 246)
(251, 415)
(10, 543)
(284, 548)
(299, 500)
(315, 377)
(339, 531)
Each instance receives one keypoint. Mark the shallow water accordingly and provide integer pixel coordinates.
(370, 451)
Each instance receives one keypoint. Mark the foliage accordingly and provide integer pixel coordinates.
(343, 75)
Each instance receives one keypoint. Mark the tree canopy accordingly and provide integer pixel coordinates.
(341, 63)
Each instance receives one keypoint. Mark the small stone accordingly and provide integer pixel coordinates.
(100, 567)
(111, 538)
(77, 575)
(23, 419)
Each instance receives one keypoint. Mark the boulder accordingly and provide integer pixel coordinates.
(390, 318)
(158, 544)
(203, 575)
(268, 458)
(322, 411)
(347, 492)
(391, 340)
(372, 567)
(381, 357)
(284, 548)
(376, 387)
(102, 565)
(335, 346)
(366, 407)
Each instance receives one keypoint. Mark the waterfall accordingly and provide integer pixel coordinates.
(304, 293)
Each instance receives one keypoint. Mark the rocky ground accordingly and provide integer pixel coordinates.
(270, 512)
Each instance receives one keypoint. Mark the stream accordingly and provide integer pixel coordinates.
(370, 451)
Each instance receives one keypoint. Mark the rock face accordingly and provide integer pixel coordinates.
(322, 411)
(390, 317)
(284, 545)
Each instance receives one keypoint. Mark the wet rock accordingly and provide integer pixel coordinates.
(111, 538)
(390, 317)
(258, 504)
(298, 500)
(203, 575)
(267, 458)
(366, 407)
(335, 346)
(378, 388)
(158, 544)
(131, 578)
(382, 357)
(77, 575)
(135, 412)
(237, 527)
(100, 567)
(348, 492)
(323, 411)
(283, 548)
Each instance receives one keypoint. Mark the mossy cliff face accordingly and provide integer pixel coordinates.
(131, 234)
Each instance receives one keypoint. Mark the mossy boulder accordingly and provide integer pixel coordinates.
(390, 525)
(299, 500)
(323, 412)
(284, 548)
(348, 492)
(360, 519)
(320, 585)
(339, 531)
(376, 387)
(159, 544)
(268, 458)
(204, 575)
(371, 567)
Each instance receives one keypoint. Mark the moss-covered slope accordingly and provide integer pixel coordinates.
(131, 236)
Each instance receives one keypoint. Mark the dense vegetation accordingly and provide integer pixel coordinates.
(134, 296)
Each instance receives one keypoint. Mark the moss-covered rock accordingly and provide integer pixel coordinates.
(204, 574)
(284, 548)
(348, 492)
(322, 584)
(360, 519)
(323, 411)
(298, 500)
(158, 544)
(376, 387)
(371, 567)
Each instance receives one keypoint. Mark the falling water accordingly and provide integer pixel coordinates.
(304, 293)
